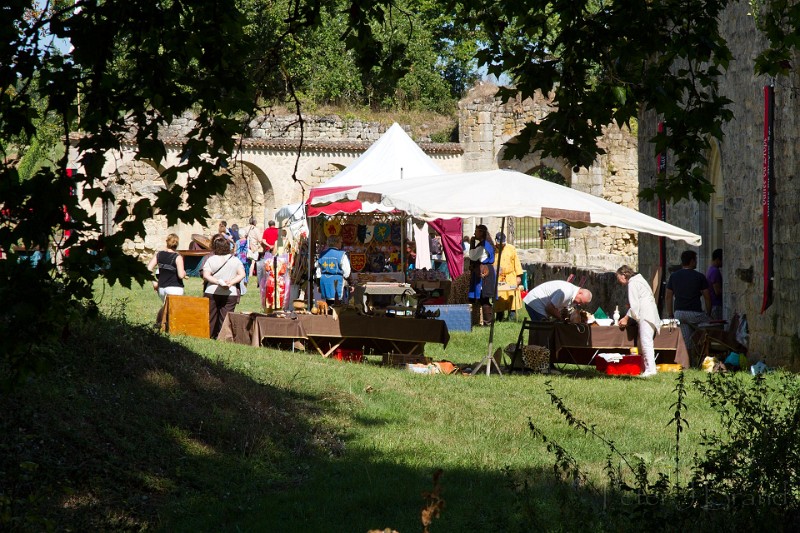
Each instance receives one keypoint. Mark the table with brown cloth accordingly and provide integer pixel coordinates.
(401, 335)
(579, 343)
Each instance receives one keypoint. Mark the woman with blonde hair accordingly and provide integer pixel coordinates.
(170, 271)
(644, 311)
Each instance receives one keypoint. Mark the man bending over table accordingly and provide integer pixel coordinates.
(549, 298)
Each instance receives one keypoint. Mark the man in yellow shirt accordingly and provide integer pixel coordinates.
(509, 273)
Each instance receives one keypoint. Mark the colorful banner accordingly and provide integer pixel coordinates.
(767, 194)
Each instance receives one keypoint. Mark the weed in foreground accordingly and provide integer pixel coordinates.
(746, 476)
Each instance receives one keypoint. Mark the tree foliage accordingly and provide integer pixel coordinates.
(603, 62)
(413, 56)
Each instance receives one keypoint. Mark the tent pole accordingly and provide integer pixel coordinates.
(403, 220)
(488, 361)
(311, 249)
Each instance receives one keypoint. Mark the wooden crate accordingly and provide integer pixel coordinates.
(186, 315)
(399, 359)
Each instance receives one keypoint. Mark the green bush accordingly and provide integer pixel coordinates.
(745, 478)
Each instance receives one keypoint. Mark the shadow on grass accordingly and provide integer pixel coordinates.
(126, 423)
(130, 431)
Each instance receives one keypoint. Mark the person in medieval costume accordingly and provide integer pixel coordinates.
(333, 266)
(482, 273)
(509, 273)
(644, 311)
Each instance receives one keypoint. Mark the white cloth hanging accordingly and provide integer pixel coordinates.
(423, 245)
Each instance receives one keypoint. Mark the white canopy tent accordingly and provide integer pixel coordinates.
(392, 158)
(502, 193)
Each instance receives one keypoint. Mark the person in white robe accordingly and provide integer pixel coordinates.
(644, 311)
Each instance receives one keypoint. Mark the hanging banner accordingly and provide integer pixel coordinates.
(661, 172)
(768, 193)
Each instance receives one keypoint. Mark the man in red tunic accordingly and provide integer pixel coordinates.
(270, 237)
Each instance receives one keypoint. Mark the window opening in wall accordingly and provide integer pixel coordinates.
(549, 174)
(531, 232)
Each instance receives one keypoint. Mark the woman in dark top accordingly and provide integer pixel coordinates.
(482, 280)
(170, 271)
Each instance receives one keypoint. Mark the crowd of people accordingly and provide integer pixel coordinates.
(236, 257)
(494, 272)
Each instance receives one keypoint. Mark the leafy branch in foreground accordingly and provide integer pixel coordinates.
(746, 477)
(124, 77)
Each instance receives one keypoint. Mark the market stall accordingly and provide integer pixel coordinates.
(326, 334)
(581, 343)
(454, 196)
(374, 236)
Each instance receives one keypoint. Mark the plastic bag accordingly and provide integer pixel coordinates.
(708, 364)
(759, 368)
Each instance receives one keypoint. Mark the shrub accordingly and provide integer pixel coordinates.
(745, 479)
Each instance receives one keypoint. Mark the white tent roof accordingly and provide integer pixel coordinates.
(293, 211)
(392, 157)
(500, 193)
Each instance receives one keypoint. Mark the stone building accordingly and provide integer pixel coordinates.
(485, 125)
(733, 219)
(268, 173)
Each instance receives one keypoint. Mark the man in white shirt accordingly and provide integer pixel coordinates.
(549, 298)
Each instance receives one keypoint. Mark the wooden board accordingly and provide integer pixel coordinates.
(186, 315)
(202, 241)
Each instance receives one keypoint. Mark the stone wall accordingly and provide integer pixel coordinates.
(774, 334)
(243, 198)
(288, 127)
(485, 124)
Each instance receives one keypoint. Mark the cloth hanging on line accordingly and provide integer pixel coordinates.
(423, 246)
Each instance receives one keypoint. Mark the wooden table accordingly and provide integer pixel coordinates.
(580, 343)
(326, 334)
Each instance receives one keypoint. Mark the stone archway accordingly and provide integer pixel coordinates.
(531, 163)
(323, 173)
(250, 194)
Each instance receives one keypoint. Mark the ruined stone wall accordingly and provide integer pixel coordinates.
(242, 199)
(776, 333)
(486, 123)
(256, 191)
(287, 127)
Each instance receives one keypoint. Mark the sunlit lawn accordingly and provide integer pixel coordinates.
(396, 428)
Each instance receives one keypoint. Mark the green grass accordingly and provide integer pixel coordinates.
(130, 429)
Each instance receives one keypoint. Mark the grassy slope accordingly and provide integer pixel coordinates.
(133, 430)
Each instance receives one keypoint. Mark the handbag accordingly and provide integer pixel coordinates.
(205, 282)
(484, 270)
